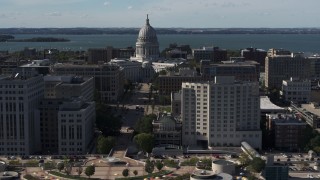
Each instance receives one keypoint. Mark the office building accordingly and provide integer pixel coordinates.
(241, 70)
(254, 54)
(108, 78)
(296, 90)
(76, 127)
(96, 55)
(59, 89)
(176, 53)
(220, 113)
(176, 103)
(171, 82)
(40, 66)
(19, 115)
(286, 130)
(214, 54)
(280, 65)
(101, 55)
(133, 70)
(167, 130)
(314, 66)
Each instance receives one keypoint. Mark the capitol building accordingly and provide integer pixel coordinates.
(147, 45)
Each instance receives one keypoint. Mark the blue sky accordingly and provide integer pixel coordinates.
(163, 13)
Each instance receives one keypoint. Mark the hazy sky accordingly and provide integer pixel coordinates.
(163, 13)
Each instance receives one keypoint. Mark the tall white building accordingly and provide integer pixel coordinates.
(147, 46)
(220, 113)
(76, 126)
(19, 114)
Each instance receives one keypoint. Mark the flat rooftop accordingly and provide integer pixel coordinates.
(266, 104)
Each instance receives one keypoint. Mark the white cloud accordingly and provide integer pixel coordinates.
(107, 3)
(130, 7)
(54, 14)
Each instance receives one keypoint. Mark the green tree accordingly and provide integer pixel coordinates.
(149, 166)
(244, 159)
(251, 177)
(105, 144)
(307, 134)
(314, 143)
(125, 172)
(257, 164)
(159, 165)
(106, 122)
(144, 124)
(135, 172)
(60, 166)
(90, 170)
(144, 141)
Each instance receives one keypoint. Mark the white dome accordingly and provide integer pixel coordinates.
(147, 46)
(147, 33)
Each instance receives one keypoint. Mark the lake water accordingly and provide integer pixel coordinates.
(293, 42)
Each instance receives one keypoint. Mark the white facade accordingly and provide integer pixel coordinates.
(132, 69)
(296, 90)
(221, 113)
(147, 46)
(19, 116)
(76, 127)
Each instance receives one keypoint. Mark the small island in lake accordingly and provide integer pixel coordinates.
(10, 38)
(41, 39)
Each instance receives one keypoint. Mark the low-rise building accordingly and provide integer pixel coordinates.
(176, 53)
(296, 90)
(287, 131)
(254, 54)
(167, 130)
(241, 70)
(171, 82)
(96, 55)
(214, 54)
(109, 79)
(132, 69)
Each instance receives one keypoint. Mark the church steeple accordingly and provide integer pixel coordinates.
(147, 21)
